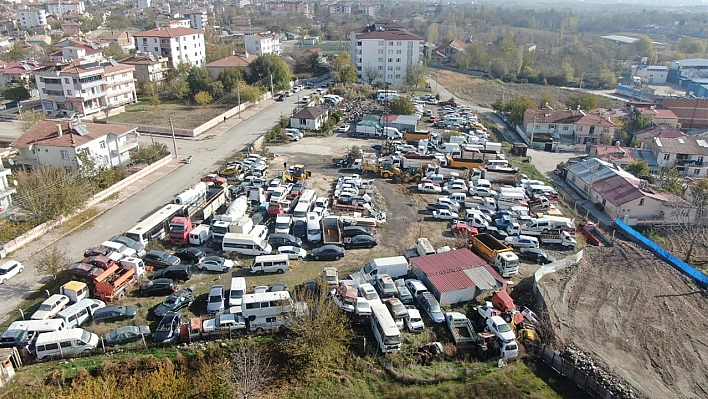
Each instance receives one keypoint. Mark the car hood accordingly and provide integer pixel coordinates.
(437, 317)
(163, 336)
(162, 309)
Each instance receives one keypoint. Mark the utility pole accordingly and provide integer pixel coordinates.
(238, 94)
(582, 75)
(272, 92)
(174, 141)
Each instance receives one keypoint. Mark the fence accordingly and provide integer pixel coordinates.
(584, 381)
(663, 254)
(43, 228)
(554, 267)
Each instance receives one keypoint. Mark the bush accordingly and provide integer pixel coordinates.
(151, 153)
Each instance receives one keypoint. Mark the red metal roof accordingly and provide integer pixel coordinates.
(447, 262)
(452, 281)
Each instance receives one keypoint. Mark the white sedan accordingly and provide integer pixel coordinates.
(344, 128)
(429, 188)
(293, 252)
(455, 188)
(9, 270)
(215, 264)
(482, 192)
(444, 214)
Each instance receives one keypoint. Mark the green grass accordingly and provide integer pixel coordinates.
(528, 169)
(183, 116)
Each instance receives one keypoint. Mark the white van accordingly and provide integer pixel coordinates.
(200, 234)
(450, 148)
(39, 326)
(80, 312)
(300, 212)
(424, 247)
(238, 289)
(496, 163)
(271, 264)
(533, 190)
(75, 290)
(392, 133)
(314, 231)
(266, 323)
(65, 343)
(308, 197)
(245, 244)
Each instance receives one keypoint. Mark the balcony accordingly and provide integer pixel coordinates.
(123, 148)
(691, 163)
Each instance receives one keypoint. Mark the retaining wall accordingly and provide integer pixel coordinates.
(566, 368)
(43, 228)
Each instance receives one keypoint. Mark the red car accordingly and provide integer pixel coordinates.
(463, 229)
(214, 178)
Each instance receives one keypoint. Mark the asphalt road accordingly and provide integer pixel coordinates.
(207, 154)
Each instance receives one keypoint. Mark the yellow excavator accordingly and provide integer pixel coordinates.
(294, 174)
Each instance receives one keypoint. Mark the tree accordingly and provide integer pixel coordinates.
(230, 78)
(461, 60)
(199, 80)
(249, 370)
(498, 69)
(88, 24)
(586, 101)
(151, 154)
(670, 181)
(17, 52)
(48, 192)
(203, 98)
(269, 65)
(115, 51)
(371, 73)
(16, 93)
(402, 106)
(690, 218)
(30, 118)
(415, 75)
(638, 168)
(644, 46)
(343, 69)
(518, 106)
(154, 100)
(52, 261)
(432, 33)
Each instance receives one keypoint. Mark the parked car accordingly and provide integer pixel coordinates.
(352, 231)
(413, 320)
(403, 293)
(463, 229)
(215, 300)
(278, 287)
(9, 270)
(431, 306)
(51, 307)
(160, 286)
(482, 192)
(114, 313)
(294, 253)
(190, 254)
(177, 273)
(429, 188)
(176, 301)
(215, 264)
(126, 334)
(500, 328)
(537, 256)
(297, 188)
(344, 128)
(160, 259)
(281, 239)
(299, 229)
(327, 252)
(168, 329)
(522, 241)
(360, 241)
(445, 214)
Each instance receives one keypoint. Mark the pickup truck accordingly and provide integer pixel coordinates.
(594, 236)
(224, 325)
(559, 237)
(461, 328)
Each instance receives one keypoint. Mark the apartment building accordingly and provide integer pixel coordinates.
(176, 44)
(340, 8)
(689, 154)
(369, 9)
(148, 67)
(17, 73)
(85, 87)
(32, 17)
(61, 7)
(577, 127)
(197, 18)
(385, 46)
(285, 8)
(262, 44)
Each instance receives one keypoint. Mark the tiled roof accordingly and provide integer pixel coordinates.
(593, 170)
(388, 35)
(139, 59)
(565, 117)
(238, 60)
(45, 133)
(310, 113)
(456, 270)
(169, 32)
(660, 131)
(681, 145)
(446, 262)
(620, 190)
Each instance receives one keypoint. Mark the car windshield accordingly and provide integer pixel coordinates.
(504, 328)
(398, 307)
(3, 271)
(170, 300)
(215, 298)
(85, 336)
(45, 306)
(434, 308)
(113, 334)
(363, 305)
(392, 340)
(165, 326)
(235, 294)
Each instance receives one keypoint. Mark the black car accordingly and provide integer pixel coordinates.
(308, 289)
(500, 235)
(360, 241)
(351, 231)
(177, 273)
(328, 252)
(278, 287)
(281, 239)
(176, 301)
(300, 229)
(168, 329)
(114, 313)
(280, 98)
(159, 286)
(536, 255)
(160, 259)
(127, 334)
(17, 338)
(190, 254)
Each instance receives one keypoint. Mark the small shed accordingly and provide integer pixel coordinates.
(456, 276)
(404, 122)
(11, 361)
(309, 118)
(519, 149)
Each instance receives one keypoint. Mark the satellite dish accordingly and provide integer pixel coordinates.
(14, 183)
(11, 162)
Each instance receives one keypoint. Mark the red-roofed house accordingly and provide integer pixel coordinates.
(622, 156)
(456, 276)
(447, 50)
(58, 142)
(647, 135)
(70, 28)
(125, 40)
(309, 118)
(659, 115)
(148, 67)
(176, 44)
(578, 126)
(17, 73)
(241, 60)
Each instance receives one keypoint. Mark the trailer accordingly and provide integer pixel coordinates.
(331, 230)
(111, 285)
(463, 333)
(222, 326)
(594, 236)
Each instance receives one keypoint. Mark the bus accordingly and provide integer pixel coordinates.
(384, 328)
(265, 304)
(155, 226)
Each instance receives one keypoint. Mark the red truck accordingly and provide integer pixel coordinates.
(180, 227)
(111, 285)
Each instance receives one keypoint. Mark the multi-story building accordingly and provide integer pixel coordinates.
(125, 40)
(143, 4)
(197, 18)
(59, 142)
(85, 87)
(63, 6)
(285, 8)
(650, 74)
(83, 52)
(176, 44)
(6, 190)
(577, 127)
(168, 22)
(683, 71)
(262, 44)
(17, 73)
(369, 9)
(340, 8)
(689, 154)
(33, 17)
(148, 67)
(386, 47)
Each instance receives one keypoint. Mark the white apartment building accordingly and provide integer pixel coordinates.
(650, 74)
(148, 67)
(197, 18)
(85, 87)
(340, 8)
(176, 44)
(61, 7)
(6, 190)
(369, 9)
(33, 17)
(70, 53)
(143, 4)
(387, 48)
(168, 22)
(262, 44)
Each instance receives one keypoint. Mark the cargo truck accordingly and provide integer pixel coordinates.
(496, 254)
(394, 266)
(331, 230)
(222, 326)
(463, 333)
(558, 237)
(180, 227)
(415, 136)
(111, 285)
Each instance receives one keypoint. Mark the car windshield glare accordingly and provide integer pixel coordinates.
(504, 328)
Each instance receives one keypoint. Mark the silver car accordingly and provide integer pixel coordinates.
(215, 300)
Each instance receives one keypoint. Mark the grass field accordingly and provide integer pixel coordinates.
(183, 116)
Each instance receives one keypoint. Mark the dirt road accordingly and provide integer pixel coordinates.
(636, 314)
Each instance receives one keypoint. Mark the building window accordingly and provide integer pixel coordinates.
(390, 68)
(66, 80)
(381, 59)
(667, 157)
(398, 76)
(390, 43)
(390, 51)
(380, 51)
(398, 68)
(390, 76)
(390, 60)
(592, 129)
(64, 154)
(696, 172)
(398, 60)
(68, 93)
(381, 42)
(551, 126)
(604, 202)
(605, 130)
(399, 43)
(580, 128)
(641, 202)
(398, 51)
(565, 128)
(380, 68)
(156, 49)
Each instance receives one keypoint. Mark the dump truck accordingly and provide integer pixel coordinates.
(416, 136)
(224, 325)
(463, 333)
(496, 254)
(466, 162)
(331, 230)
(111, 285)
(594, 236)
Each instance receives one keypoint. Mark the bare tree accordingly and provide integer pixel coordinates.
(52, 261)
(30, 118)
(689, 218)
(250, 370)
(371, 73)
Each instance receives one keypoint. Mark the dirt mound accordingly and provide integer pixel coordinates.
(638, 316)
